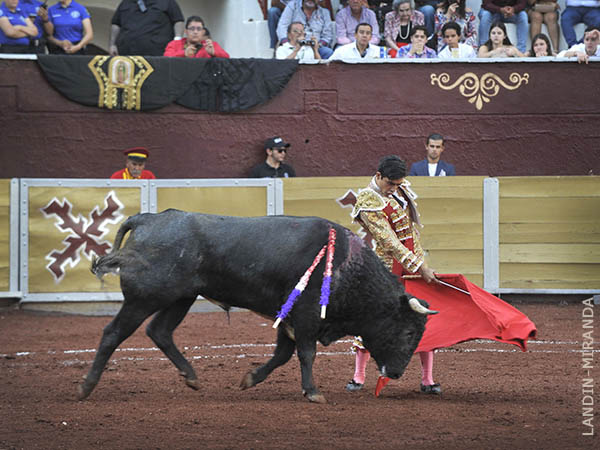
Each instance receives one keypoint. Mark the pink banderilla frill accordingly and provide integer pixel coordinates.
(325, 288)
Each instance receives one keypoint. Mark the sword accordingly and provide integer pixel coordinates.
(408, 277)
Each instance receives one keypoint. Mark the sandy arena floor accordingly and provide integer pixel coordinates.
(494, 395)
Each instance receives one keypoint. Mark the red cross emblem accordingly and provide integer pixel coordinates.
(84, 234)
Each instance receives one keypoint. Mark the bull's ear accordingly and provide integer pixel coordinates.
(419, 306)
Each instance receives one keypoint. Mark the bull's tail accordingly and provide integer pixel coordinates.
(111, 262)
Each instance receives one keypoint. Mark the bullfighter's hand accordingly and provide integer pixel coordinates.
(428, 274)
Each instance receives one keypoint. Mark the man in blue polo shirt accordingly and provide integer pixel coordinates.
(16, 29)
(72, 27)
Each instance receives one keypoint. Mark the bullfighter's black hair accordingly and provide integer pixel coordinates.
(392, 167)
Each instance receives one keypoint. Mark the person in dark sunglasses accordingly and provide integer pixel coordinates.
(274, 167)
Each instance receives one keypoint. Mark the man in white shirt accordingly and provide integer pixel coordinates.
(454, 48)
(298, 47)
(589, 47)
(361, 48)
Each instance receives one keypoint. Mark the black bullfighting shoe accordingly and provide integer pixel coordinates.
(435, 389)
(354, 386)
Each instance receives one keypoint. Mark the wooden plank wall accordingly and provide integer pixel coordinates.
(550, 232)
(451, 210)
(4, 235)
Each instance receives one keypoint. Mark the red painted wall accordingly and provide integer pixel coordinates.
(340, 119)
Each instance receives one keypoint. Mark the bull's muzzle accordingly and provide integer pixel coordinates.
(416, 305)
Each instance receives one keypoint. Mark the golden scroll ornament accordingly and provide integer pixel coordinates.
(479, 90)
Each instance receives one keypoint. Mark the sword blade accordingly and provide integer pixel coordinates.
(453, 287)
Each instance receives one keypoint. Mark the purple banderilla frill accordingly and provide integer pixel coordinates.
(325, 288)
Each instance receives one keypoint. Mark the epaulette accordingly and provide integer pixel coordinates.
(368, 200)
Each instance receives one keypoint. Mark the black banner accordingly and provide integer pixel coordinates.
(145, 83)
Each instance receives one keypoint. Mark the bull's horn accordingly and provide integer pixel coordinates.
(418, 307)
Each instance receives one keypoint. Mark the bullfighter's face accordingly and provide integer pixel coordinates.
(387, 186)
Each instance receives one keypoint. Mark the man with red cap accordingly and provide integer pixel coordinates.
(134, 166)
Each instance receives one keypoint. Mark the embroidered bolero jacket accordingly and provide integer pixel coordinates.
(392, 223)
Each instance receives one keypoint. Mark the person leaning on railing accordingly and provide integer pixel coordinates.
(540, 46)
(590, 46)
(498, 45)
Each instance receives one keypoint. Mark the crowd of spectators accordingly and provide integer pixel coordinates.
(442, 29)
(313, 30)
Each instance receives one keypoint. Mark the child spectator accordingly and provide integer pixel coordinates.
(511, 11)
(417, 47)
(540, 46)
(454, 48)
(498, 45)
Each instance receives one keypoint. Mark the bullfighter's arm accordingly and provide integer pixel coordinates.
(380, 229)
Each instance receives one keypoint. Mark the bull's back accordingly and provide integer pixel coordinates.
(246, 262)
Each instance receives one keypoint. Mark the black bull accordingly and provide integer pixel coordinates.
(254, 263)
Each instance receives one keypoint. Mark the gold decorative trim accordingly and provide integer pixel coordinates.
(120, 83)
(479, 90)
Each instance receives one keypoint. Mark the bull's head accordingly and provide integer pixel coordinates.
(398, 334)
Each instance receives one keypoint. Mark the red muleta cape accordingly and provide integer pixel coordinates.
(463, 317)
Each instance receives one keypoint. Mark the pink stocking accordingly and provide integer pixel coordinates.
(426, 368)
(362, 358)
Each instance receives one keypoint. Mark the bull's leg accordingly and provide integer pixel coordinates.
(160, 330)
(129, 318)
(307, 352)
(283, 352)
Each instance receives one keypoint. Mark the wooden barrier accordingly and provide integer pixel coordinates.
(4, 235)
(550, 233)
(545, 236)
(451, 209)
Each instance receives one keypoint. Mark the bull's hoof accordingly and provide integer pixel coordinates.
(194, 384)
(84, 390)
(247, 381)
(316, 398)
